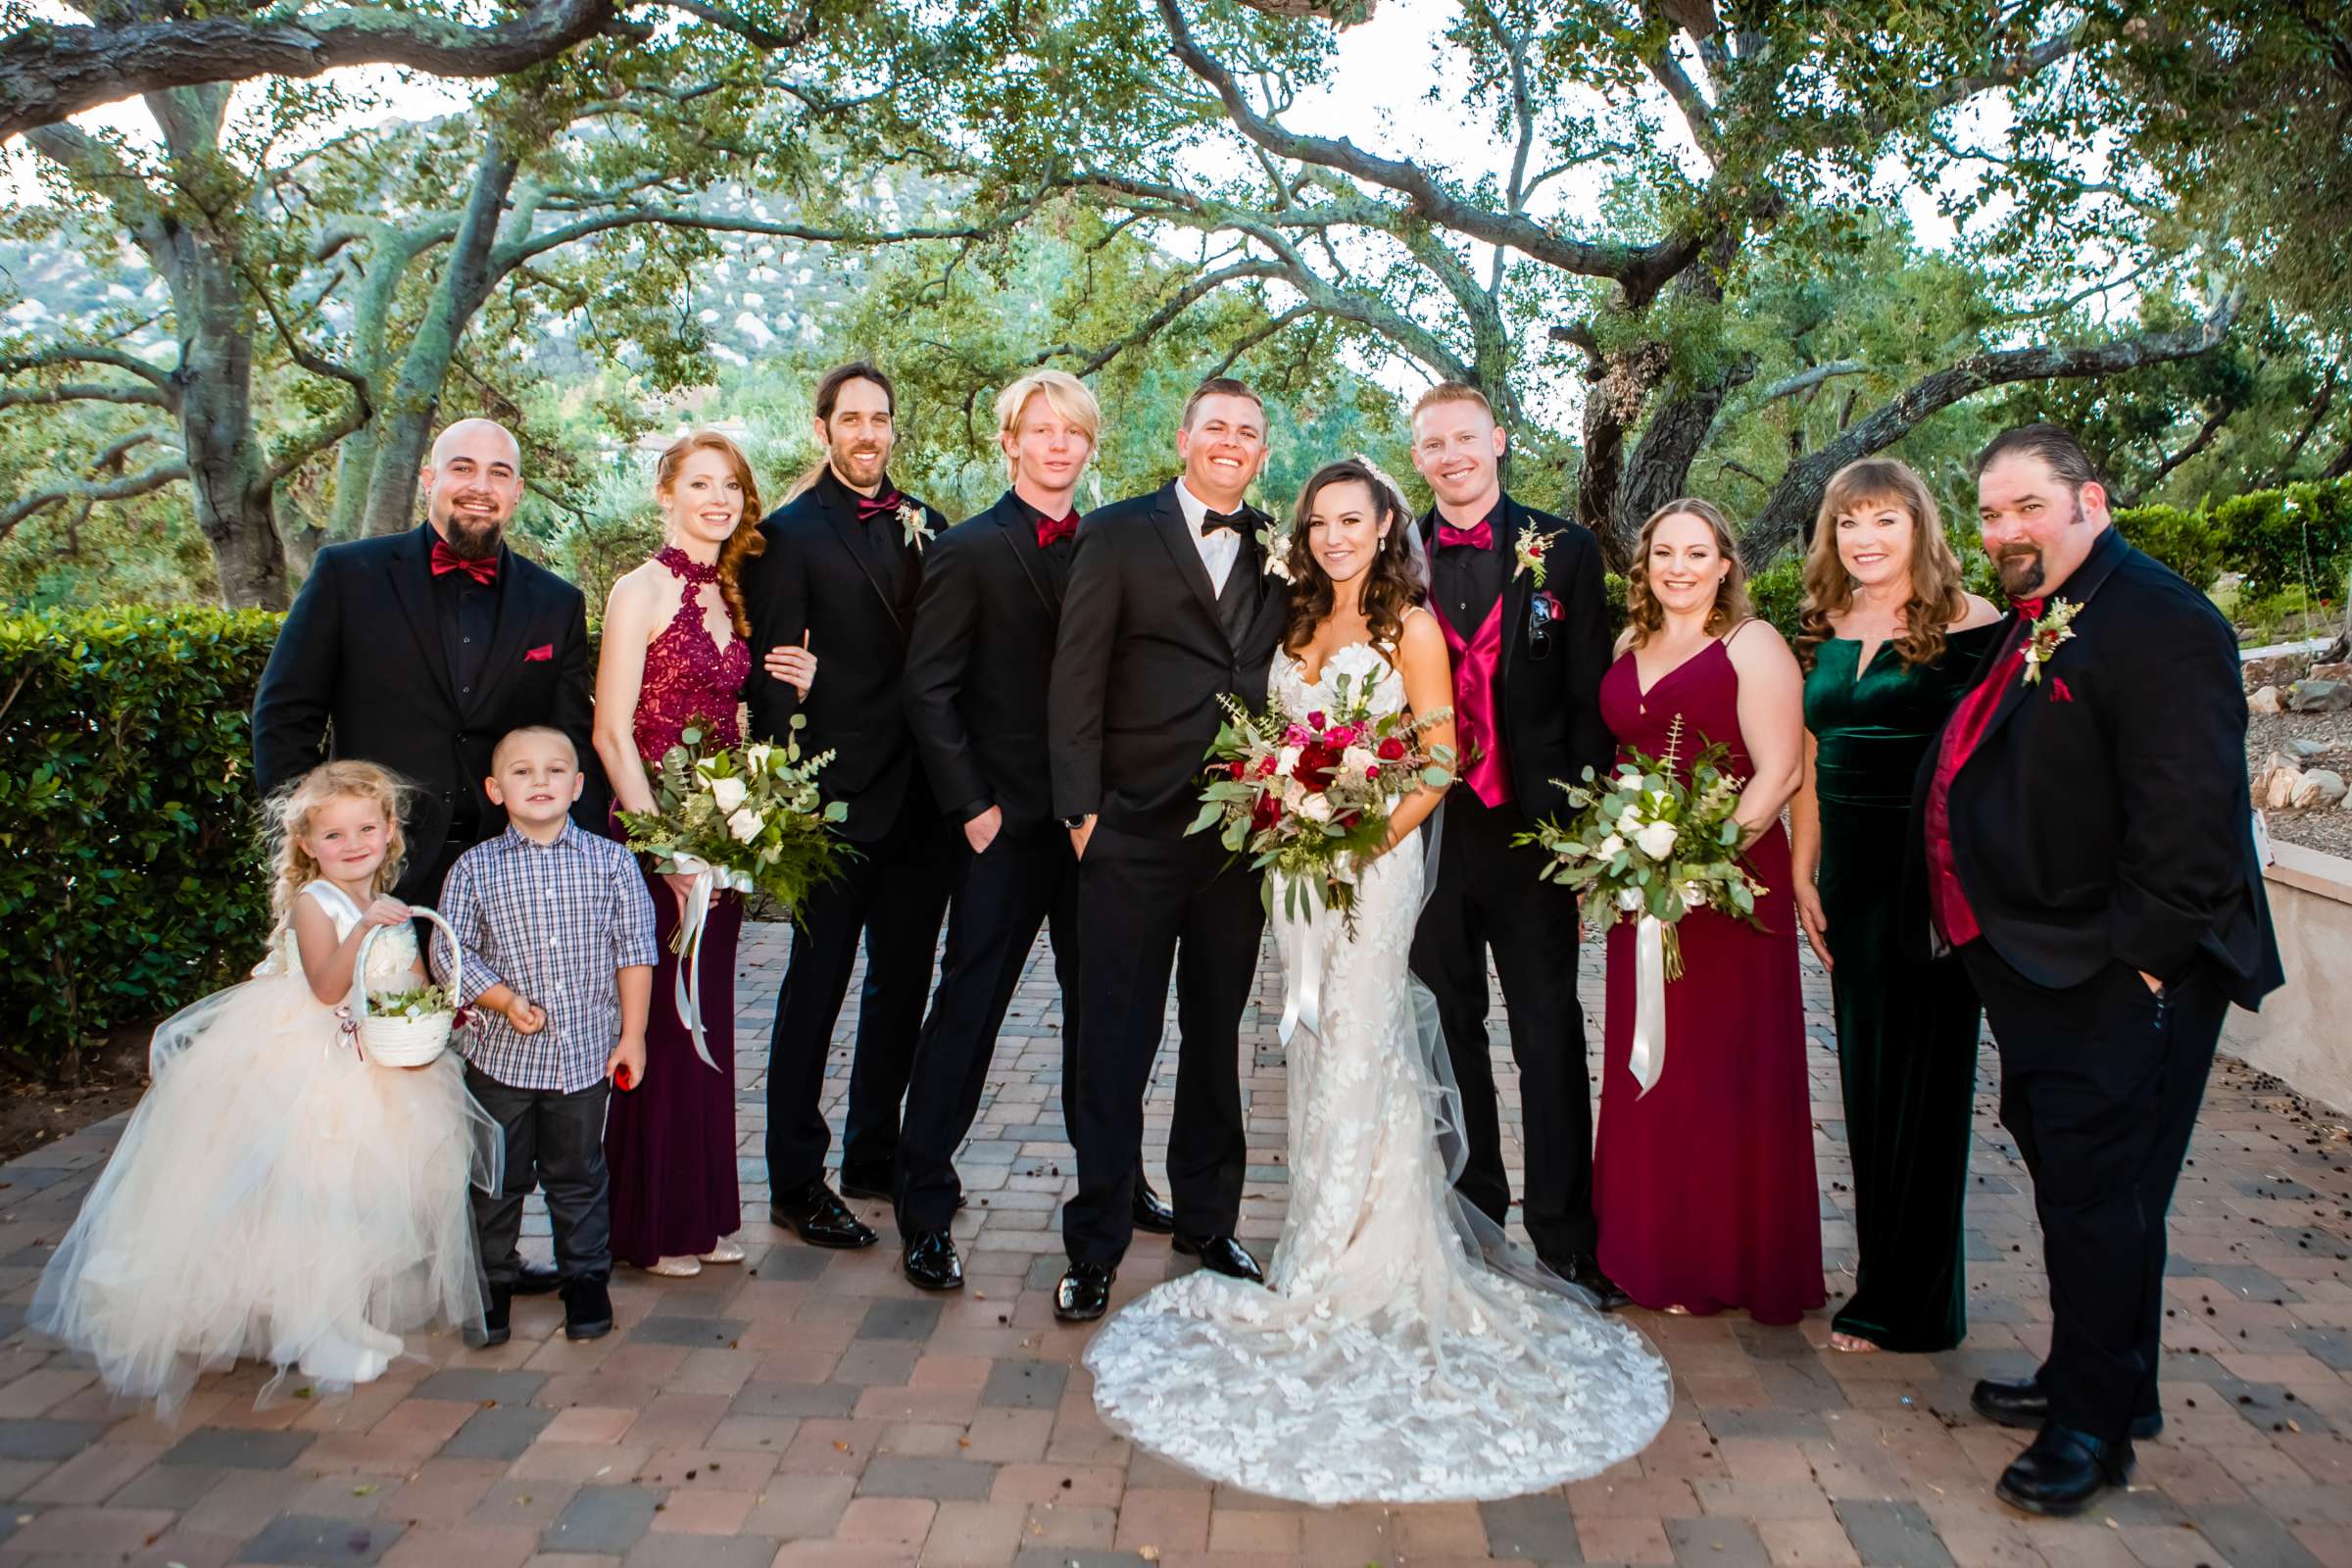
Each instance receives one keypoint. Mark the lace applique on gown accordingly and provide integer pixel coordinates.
(1382, 1361)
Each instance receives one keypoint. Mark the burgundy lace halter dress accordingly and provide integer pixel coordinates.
(670, 1143)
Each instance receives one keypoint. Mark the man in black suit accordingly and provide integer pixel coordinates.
(977, 671)
(838, 583)
(1169, 609)
(2086, 845)
(1528, 660)
(418, 651)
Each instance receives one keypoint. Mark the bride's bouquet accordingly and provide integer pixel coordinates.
(1651, 845)
(1308, 796)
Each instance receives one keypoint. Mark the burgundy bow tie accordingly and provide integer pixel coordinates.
(871, 507)
(1478, 537)
(482, 568)
(2030, 609)
(1053, 530)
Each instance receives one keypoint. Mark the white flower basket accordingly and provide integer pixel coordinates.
(403, 1041)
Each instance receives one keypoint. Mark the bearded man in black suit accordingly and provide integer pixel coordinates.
(1169, 609)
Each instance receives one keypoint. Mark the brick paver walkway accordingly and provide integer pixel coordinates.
(812, 1408)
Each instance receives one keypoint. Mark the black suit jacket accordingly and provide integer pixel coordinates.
(2104, 816)
(360, 670)
(1140, 661)
(1553, 657)
(979, 664)
(818, 577)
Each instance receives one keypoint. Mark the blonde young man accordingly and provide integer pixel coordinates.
(978, 666)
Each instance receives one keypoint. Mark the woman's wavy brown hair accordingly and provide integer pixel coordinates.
(1643, 614)
(1936, 597)
(1393, 584)
(747, 540)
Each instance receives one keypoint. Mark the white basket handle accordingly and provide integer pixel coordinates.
(359, 963)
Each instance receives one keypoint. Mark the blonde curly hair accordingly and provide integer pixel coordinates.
(286, 817)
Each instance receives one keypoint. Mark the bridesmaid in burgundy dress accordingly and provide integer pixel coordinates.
(674, 652)
(1704, 1186)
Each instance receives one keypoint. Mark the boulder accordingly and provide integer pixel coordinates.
(2278, 789)
(2319, 788)
(2264, 701)
(2319, 697)
(2339, 670)
(2302, 749)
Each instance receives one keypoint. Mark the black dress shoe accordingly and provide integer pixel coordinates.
(1583, 1269)
(2023, 1405)
(538, 1281)
(931, 1264)
(497, 1306)
(1222, 1254)
(865, 1185)
(587, 1307)
(1151, 1212)
(816, 1216)
(1084, 1293)
(2062, 1471)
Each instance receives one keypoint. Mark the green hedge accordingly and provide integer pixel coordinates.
(129, 883)
(2271, 538)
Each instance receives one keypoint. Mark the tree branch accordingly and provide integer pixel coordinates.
(1789, 386)
(91, 492)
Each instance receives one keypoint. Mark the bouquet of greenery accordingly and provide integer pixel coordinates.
(747, 816)
(418, 1002)
(1651, 846)
(1308, 797)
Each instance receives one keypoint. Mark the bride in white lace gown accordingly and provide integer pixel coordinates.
(1400, 1350)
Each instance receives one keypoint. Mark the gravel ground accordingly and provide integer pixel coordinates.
(2328, 831)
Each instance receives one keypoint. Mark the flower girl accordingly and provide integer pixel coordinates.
(276, 1195)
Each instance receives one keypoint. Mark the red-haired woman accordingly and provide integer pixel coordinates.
(674, 651)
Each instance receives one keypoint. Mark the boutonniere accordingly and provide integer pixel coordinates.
(1531, 551)
(2055, 626)
(916, 524)
(1276, 543)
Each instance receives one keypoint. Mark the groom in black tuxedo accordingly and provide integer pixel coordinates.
(418, 651)
(1169, 609)
(836, 587)
(978, 669)
(2087, 844)
(1527, 667)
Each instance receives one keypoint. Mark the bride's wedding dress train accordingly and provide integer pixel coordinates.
(1385, 1359)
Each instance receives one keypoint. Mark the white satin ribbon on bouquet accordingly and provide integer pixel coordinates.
(1302, 943)
(1648, 1058)
(687, 994)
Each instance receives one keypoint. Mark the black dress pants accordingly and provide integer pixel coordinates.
(1149, 905)
(893, 893)
(1003, 895)
(1487, 895)
(2100, 1084)
(555, 1141)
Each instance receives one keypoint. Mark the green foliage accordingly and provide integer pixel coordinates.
(1777, 592)
(2276, 540)
(128, 878)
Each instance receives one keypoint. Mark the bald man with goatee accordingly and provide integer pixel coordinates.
(418, 651)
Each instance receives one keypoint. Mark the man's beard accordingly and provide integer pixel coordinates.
(847, 462)
(469, 539)
(2020, 573)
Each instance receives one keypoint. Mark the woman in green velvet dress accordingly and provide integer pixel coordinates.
(1889, 642)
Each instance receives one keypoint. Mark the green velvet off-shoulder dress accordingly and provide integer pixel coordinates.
(1906, 1028)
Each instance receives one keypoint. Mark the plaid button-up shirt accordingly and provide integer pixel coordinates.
(557, 922)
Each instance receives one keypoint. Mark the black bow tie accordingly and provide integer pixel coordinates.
(1212, 521)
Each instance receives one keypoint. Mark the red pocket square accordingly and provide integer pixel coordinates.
(540, 655)
(2058, 691)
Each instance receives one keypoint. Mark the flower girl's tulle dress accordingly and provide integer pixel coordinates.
(275, 1195)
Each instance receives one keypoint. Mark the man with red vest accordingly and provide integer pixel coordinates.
(1518, 595)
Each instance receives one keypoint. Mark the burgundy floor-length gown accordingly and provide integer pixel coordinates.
(1704, 1187)
(670, 1143)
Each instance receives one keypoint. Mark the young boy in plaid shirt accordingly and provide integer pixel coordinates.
(558, 932)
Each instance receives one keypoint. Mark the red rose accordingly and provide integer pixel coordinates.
(1267, 814)
(1315, 766)
(1373, 775)
(1265, 766)
(1241, 769)
(1314, 721)
(1391, 749)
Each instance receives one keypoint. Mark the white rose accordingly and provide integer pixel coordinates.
(1658, 840)
(758, 755)
(1315, 807)
(1286, 759)
(1611, 848)
(729, 792)
(1356, 762)
(1628, 821)
(746, 825)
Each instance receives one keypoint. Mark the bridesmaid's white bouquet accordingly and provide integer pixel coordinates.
(748, 817)
(1651, 846)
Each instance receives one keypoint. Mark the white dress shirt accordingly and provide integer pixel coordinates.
(1218, 550)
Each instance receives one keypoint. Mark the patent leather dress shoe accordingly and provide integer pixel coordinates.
(2062, 1471)
(1583, 1269)
(2023, 1405)
(930, 1260)
(538, 1281)
(1222, 1254)
(822, 1219)
(1084, 1293)
(868, 1191)
(1151, 1212)
(587, 1307)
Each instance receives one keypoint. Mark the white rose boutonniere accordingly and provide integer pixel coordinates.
(1531, 551)
(1276, 543)
(2055, 625)
(918, 525)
